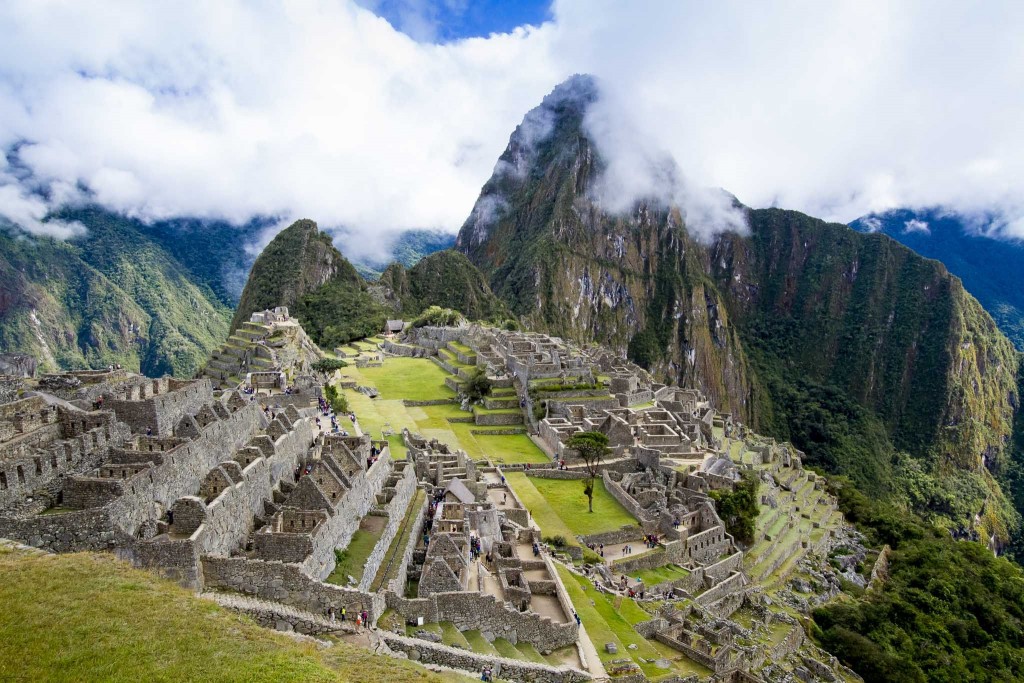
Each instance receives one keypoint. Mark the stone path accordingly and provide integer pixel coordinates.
(594, 665)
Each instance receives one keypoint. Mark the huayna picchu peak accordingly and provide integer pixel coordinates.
(512, 342)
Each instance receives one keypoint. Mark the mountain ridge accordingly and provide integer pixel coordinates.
(746, 318)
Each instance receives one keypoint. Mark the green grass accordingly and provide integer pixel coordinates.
(652, 577)
(566, 499)
(90, 617)
(506, 649)
(420, 379)
(416, 379)
(607, 623)
(354, 556)
(479, 643)
(398, 544)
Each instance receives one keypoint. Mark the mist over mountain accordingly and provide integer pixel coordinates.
(872, 359)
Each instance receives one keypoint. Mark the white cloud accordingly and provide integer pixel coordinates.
(322, 109)
(872, 224)
(916, 225)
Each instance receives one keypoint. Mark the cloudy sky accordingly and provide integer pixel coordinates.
(381, 115)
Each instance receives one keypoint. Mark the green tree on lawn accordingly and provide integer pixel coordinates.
(477, 386)
(592, 447)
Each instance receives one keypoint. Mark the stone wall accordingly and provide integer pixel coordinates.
(556, 474)
(486, 613)
(397, 584)
(498, 419)
(39, 463)
(625, 534)
(340, 527)
(161, 412)
(405, 489)
(287, 584)
(426, 652)
(613, 487)
(730, 586)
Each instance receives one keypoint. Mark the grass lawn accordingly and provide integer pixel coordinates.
(610, 619)
(566, 498)
(359, 548)
(420, 379)
(416, 379)
(652, 577)
(90, 617)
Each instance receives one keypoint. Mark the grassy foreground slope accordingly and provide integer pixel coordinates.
(89, 617)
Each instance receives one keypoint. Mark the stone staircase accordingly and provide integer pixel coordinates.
(243, 352)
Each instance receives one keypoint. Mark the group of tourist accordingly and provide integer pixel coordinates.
(362, 617)
(636, 592)
(474, 546)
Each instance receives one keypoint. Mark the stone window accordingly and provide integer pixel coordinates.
(39, 467)
(3, 481)
(53, 462)
(21, 475)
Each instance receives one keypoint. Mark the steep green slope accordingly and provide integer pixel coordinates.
(444, 278)
(302, 269)
(297, 262)
(850, 344)
(112, 296)
(990, 266)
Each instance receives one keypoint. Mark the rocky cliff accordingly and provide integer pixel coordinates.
(747, 316)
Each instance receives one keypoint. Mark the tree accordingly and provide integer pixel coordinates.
(592, 447)
(477, 386)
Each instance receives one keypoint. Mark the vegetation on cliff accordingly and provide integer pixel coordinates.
(948, 611)
(111, 296)
(298, 261)
(873, 360)
(989, 265)
(446, 279)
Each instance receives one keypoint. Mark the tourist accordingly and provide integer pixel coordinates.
(359, 620)
(330, 614)
(344, 613)
(366, 618)
(579, 622)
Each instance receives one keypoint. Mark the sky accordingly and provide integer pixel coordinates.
(376, 116)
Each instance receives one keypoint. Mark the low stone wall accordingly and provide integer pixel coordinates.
(281, 620)
(613, 487)
(498, 419)
(488, 614)
(406, 351)
(652, 559)
(730, 586)
(426, 652)
(433, 402)
(496, 432)
(626, 534)
(557, 474)
(397, 584)
(285, 583)
(723, 568)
